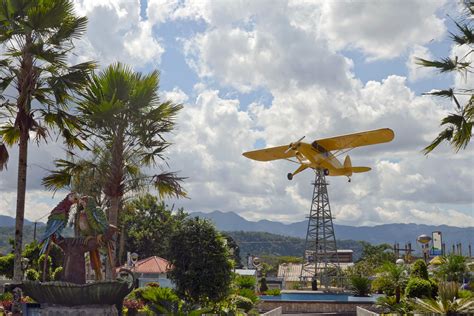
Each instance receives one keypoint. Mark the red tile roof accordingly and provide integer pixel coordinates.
(152, 265)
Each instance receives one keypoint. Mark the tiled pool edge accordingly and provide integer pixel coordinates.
(313, 306)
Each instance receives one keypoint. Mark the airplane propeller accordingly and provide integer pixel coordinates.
(294, 145)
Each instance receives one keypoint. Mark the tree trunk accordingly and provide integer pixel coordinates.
(20, 204)
(26, 84)
(397, 294)
(114, 188)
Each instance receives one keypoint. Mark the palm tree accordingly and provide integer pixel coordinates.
(126, 120)
(459, 124)
(36, 37)
(452, 268)
(396, 275)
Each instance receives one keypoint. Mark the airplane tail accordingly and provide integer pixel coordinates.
(348, 169)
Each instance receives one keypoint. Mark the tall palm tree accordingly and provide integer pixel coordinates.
(459, 124)
(36, 37)
(126, 120)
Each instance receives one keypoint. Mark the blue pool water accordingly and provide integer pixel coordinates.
(317, 297)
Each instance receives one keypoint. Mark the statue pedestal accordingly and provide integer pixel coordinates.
(83, 310)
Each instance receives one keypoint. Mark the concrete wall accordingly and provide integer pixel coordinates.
(312, 307)
(274, 312)
(363, 312)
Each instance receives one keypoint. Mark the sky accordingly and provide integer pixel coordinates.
(262, 73)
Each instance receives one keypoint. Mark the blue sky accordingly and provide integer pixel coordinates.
(257, 73)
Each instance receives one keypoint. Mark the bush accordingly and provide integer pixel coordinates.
(418, 287)
(32, 275)
(246, 282)
(159, 299)
(244, 303)
(57, 274)
(273, 292)
(360, 286)
(383, 285)
(248, 293)
(419, 270)
(263, 285)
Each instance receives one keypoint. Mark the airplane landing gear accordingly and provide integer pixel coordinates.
(348, 179)
(326, 172)
(289, 176)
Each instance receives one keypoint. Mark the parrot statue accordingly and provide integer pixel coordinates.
(92, 222)
(57, 221)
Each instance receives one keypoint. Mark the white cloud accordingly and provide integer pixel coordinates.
(415, 71)
(116, 32)
(382, 30)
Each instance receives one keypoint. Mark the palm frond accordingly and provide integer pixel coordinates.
(168, 184)
(466, 35)
(445, 135)
(443, 65)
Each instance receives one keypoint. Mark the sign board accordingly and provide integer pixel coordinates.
(436, 246)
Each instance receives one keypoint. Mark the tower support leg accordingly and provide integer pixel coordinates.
(320, 259)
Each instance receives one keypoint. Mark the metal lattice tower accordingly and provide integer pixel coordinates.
(320, 259)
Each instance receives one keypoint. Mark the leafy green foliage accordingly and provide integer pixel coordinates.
(245, 282)
(57, 274)
(447, 301)
(160, 300)
(248, 293)
(419, 270)
(6, 265)
(393, 274)
(418, 287)
(273, 292)
(32, 275)
(243, 303)
(147, 221)
(453, 268)
(390, 305)
(202, 267)
(360, 285)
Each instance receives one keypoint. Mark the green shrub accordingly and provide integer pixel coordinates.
(32, 275)
(465, 294)
(359, 285)
(246, 282)
(263, 285)
(248, 293)
(418, 287)
(160, 300)
(419, 270)
(48, 267)
(244, 303)
(383, 285)
(57, 273)
(273, 292)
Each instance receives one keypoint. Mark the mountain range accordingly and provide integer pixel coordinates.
(386, 233)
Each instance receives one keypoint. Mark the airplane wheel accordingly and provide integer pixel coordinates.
(326, 172)
(289, 176)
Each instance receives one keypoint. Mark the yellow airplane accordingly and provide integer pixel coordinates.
(322, 153)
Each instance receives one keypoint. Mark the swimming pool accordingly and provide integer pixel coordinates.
(328, 297)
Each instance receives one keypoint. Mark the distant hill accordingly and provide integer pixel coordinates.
(8, 221)
(387, 233)
(261, 243)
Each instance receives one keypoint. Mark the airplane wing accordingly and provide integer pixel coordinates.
(378, 136)
(272, 153)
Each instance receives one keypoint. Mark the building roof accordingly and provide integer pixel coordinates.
(152, 264)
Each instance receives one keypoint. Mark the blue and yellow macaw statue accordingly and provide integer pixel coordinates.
(57, 221)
